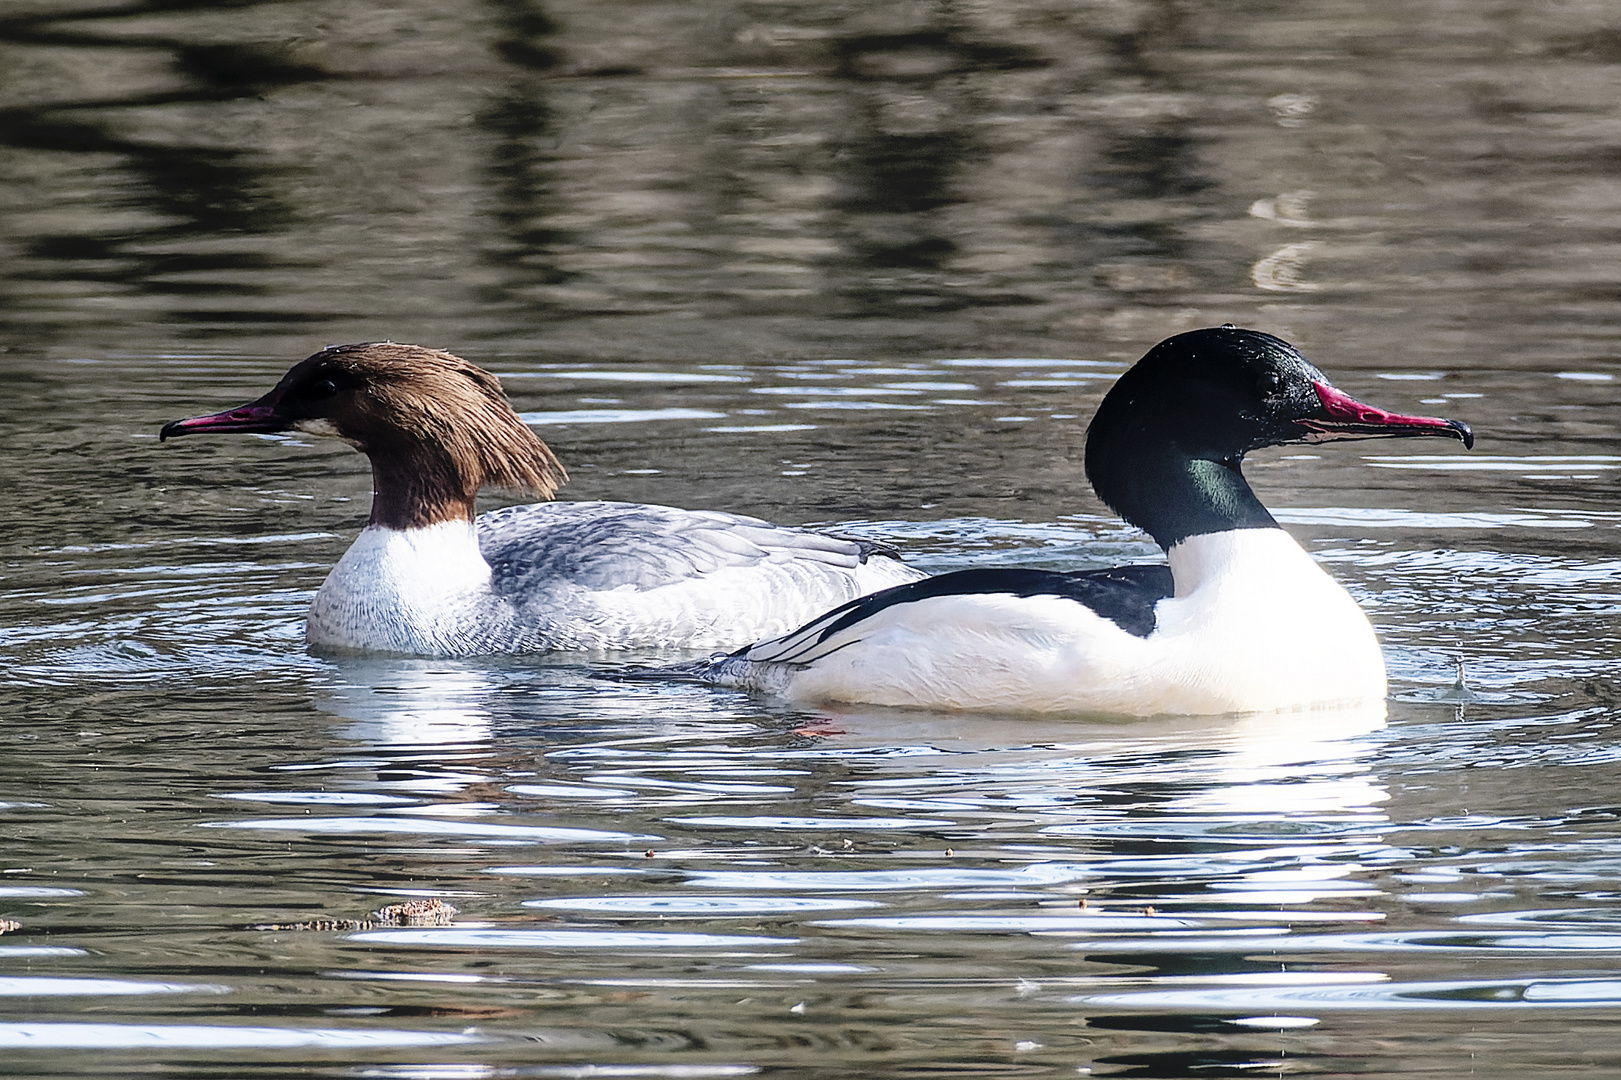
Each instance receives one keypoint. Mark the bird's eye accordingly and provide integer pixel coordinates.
(322, 388)
(1269, 383)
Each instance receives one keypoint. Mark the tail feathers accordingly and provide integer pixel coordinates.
(868, 549)
(722, 669)
(734, 672)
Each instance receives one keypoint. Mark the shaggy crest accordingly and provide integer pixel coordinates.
(437, 429)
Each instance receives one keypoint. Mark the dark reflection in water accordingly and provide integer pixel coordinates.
(523, 130)
(913, 128)
(171, 195)
(798, 180)
(524, 27)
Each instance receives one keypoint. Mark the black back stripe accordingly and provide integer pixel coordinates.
(1125, 595)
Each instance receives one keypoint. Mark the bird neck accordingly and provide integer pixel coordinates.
(416, 485)
(1172, 495)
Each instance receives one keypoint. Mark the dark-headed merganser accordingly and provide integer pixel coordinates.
(1242, 620)
(426, 578)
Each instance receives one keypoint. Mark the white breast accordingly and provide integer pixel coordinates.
(1255, 625)
(414, 591)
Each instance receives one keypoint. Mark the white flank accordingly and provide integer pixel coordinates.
(1255, 625)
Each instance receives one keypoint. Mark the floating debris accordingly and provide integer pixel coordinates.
(429, 912)
(317, 924)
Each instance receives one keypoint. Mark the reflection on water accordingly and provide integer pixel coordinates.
(871, 266)
(666, 181)
(408, 702)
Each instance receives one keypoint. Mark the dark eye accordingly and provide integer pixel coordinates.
(322, 388)
(1269, 383)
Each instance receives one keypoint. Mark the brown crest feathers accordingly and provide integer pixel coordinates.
(437, 430)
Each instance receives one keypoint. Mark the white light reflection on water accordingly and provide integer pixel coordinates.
(47, 986)
(660, 378)
(110, 1036)
(1390, 518)
(893, 406)
(1331, 993)
(317, 798)
(461, 938)
(697, 905)
(429, 827)
(615, 416)
(906, 880)
(1546, 466)
(1175, 940)
(848, 824)
(761, 428)
(408, 702)
(563, 1072)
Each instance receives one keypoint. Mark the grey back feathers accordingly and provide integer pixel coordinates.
(605, 545)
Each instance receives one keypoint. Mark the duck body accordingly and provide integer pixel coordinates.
(1239, 619)
(1225, 634)
(586, 576)
(426, 577)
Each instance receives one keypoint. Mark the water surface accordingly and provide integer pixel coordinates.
(866, 267)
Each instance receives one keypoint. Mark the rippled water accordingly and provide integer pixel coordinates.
(864, 266)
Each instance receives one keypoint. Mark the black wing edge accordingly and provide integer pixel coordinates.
(866, 549)
(1125, 595)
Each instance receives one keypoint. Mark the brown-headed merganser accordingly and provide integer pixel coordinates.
(427, 577)
(1241, 620)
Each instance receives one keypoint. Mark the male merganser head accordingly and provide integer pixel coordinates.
(436, 428)
(1165, 448)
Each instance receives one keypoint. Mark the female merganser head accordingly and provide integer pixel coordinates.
(436, 429)
(1241, 620)
(427, 578)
